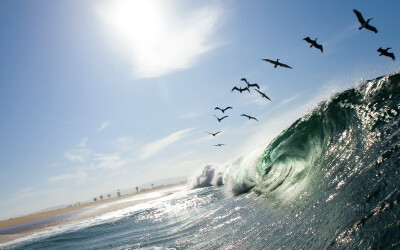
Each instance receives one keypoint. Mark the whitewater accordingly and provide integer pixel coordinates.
(330, 180)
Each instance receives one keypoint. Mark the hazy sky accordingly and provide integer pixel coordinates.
(97, 96)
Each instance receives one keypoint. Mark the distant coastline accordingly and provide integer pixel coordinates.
(111, 204)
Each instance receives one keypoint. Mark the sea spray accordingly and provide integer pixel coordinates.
(209, 176)
(241, 175)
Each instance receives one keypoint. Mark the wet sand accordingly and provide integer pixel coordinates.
(16, 228)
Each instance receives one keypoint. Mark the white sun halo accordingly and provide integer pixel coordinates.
(155, 37)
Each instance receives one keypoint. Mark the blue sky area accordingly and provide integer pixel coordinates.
(97, 96)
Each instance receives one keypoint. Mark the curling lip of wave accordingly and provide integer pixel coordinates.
(346, 126)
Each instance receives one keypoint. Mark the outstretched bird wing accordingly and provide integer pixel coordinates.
(359, 16)
(308, 39)
(319, 46)
(218, 108)
(246, 89)
(227, 108)
(270, 61)
(254, 85)
(245, 115)
(263, 94)
(244, 79)
(253, 118)
(371, 28)
(234, 88)
(223, 117)
(214, 134)
(284, 65)
(388, 54)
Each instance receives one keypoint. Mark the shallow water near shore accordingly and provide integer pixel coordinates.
(185, 219)
(80, 218)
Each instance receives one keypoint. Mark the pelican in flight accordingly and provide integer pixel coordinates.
(364, 24)
(240, 89)
(277, 63)
(223, 110)
(314, 43)
(384, 52)
(250, 117)
(219, 145)
(249, 85)
(220, 119)
(214, 134)
(263, 94)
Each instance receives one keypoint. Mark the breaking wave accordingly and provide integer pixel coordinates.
(345, 152)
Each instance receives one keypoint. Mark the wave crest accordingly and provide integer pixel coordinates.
(325, 145)
(209, 176)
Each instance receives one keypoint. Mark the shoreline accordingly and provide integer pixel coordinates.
(25, 225)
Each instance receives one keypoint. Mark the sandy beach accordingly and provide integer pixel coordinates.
(29, 224)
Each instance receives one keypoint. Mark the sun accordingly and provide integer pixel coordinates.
(155, 37)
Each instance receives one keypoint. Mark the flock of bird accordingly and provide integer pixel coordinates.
(366, 25)
(240, 90)
(276, 63)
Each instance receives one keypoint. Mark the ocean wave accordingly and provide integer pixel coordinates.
(338, 134)
(342, 157)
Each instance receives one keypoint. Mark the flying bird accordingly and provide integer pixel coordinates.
(219, 145)
(214, 134)
(253, 85)
(384, 52)
(263, 95)
(249, 85)
(223, 110)
(277, 63)
(250, 117)
(240, 89)
(364, 24)
(314, 43)
(220, 119)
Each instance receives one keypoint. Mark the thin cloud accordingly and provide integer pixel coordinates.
(189, 115)
(79, 176)
(157, 38)
(78, 155)
(103, 126)
(83, 143)
(123, 143)
(108, 161)
(338, 38)
(291, 99)
(155, 147)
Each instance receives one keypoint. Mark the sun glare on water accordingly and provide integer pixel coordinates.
(155, 37)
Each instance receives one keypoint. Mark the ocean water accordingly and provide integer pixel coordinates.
(329, 181)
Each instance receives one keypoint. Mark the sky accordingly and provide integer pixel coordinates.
(97, 96)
